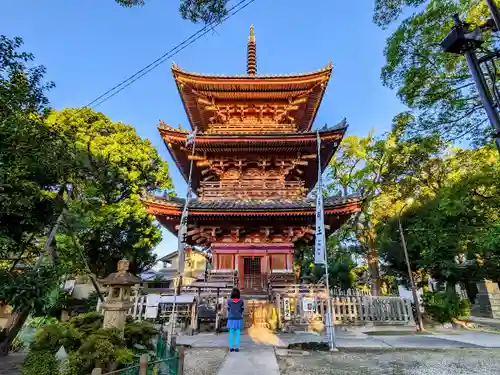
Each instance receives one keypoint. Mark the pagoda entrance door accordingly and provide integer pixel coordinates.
(252, 275)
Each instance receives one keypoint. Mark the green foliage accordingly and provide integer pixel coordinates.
(87, 323)
(445, 307)
(32, 157)
(108, 220)
(90, 303)
(341, 266)
(40, 363)
(206, 11)
(451, 234)
(387, 11)
(140, 333)
(380, 171)
(105, 348)
(73, 364)
(27, 289)
(435, 85)
(42, 153)
(89, 346)
(52, 336)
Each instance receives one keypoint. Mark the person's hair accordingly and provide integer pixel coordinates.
(235, 293)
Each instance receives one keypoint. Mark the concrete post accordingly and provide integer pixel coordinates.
(180, 366)
(97, 371)
(143, 364)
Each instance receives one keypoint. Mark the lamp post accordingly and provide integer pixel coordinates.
(420, 323)
(465, 42)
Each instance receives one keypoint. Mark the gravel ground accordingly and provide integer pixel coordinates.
(203, 361)
(441, 362)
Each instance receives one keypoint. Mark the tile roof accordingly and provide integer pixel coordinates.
(255, 204)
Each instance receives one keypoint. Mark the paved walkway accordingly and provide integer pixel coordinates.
(349, 340)
(257, 355)
(251, 361)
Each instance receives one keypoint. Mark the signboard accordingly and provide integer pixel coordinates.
(286, 307)
(308, 304)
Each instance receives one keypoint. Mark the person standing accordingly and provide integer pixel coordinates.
(235, 309)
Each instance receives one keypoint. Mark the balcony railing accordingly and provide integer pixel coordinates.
(258, 189)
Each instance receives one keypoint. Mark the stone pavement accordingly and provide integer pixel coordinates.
(257, 355)
(11, 364)
(251, 361)
(349, 340)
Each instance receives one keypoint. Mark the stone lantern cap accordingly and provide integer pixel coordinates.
(122, 276)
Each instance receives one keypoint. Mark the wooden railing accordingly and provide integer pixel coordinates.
(251, 128)
(237, 189)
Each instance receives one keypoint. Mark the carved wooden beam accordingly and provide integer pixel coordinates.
(193, 231)
(309, 156)
(196, 157)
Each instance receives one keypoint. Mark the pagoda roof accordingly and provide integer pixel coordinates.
(195, 88)
(253, 206)
(168, 210)
(276, 144)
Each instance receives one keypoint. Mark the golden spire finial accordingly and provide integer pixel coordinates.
(251, 38)
(251, 54)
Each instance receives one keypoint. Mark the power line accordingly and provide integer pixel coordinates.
(167, 55)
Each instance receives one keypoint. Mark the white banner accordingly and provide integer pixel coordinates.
(190, 138)
(286, 309)
(319, 248)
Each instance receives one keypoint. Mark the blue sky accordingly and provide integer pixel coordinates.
(88, 46)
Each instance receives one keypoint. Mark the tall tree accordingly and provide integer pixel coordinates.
(372, 168)
(107, 167)
(33, 159)
(437, 86)
(453, 235)
(34, 165)
(206, 11)
(108, 217)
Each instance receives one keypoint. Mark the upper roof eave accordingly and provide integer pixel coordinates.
(275, 78)
(180, 135)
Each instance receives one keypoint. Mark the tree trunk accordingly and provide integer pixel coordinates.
(14, 325)
(372, 260)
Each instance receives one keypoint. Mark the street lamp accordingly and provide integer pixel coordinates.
(420, 323)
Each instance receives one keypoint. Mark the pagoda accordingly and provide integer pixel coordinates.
(254, 163)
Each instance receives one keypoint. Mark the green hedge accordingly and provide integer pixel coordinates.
(445, 307)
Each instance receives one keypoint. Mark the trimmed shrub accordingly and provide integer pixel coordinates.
(445, 307)
(40, 363)
(140, 333)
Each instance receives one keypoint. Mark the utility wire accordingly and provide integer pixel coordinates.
(167, 55)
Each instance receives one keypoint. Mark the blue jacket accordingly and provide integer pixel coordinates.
(235, 309)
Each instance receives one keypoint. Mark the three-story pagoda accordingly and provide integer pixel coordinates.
(255, 161)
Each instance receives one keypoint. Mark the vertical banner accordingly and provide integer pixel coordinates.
(287, 315)
(319, 248)
(181, 235)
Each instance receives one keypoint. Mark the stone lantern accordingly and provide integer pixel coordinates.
(117, 302)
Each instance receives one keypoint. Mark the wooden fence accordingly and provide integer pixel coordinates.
(304, 309)
(295, 305)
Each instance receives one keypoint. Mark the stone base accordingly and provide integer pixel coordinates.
(488, 300)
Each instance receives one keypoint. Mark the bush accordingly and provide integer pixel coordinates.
(40, 363)
(140, 333)
(445, 307)
(87, 323)
(88, 345)
(105, 349)
(52, 336)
